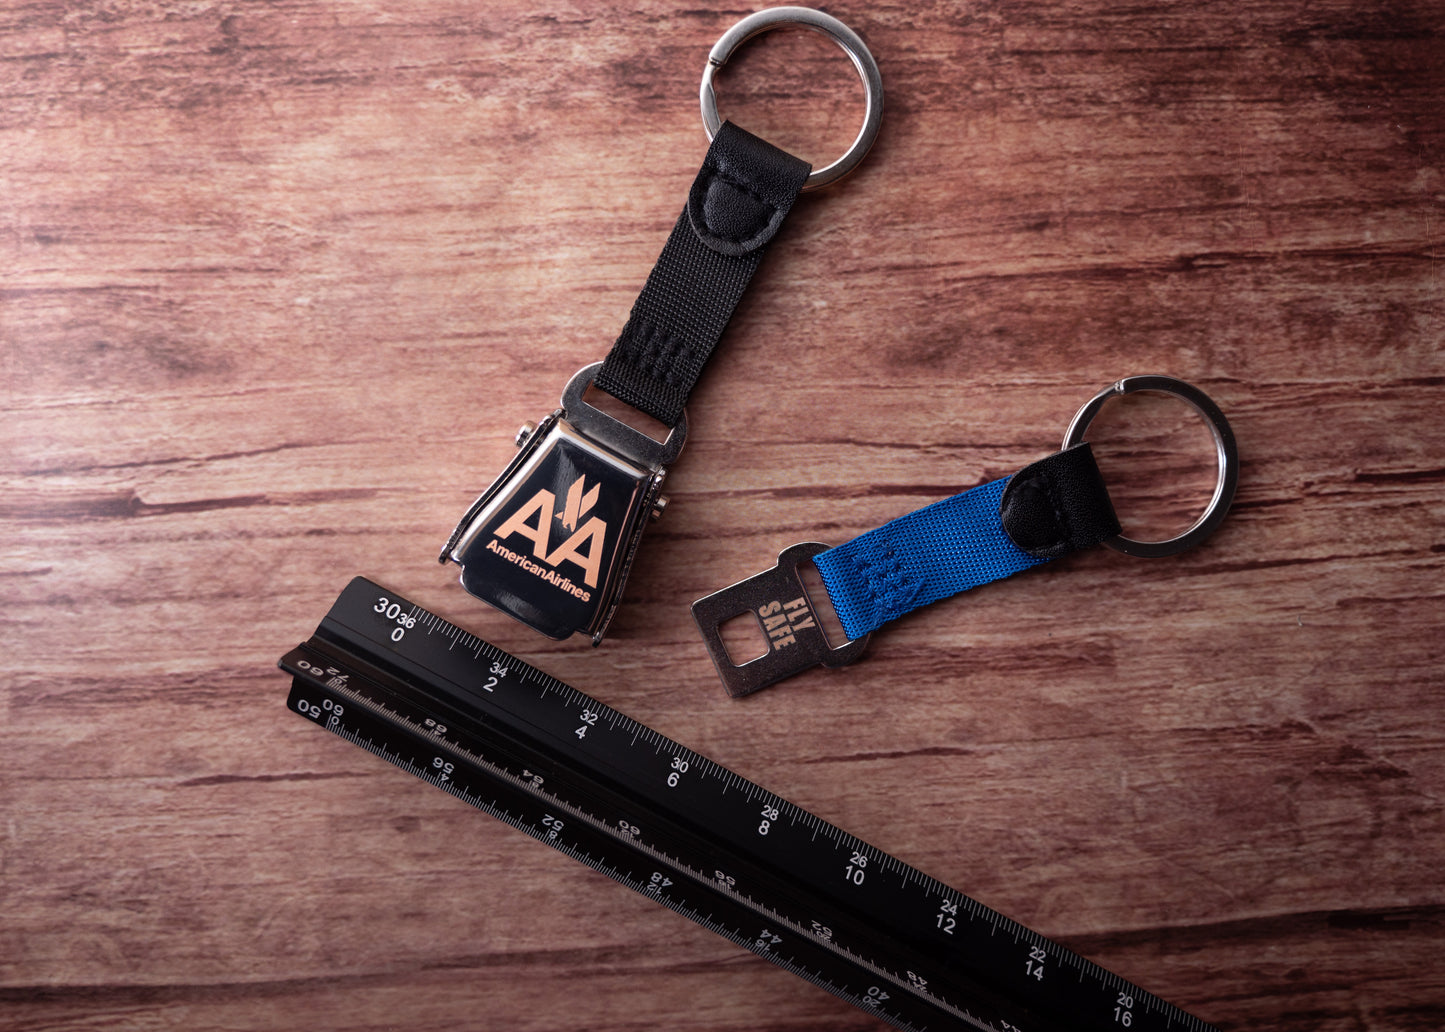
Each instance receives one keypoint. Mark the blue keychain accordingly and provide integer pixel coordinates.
(1048, 509)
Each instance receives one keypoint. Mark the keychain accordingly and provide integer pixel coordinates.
(551, 541)
(1048, 509)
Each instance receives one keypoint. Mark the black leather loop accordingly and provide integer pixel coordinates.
(1058, 504)
(736, 205)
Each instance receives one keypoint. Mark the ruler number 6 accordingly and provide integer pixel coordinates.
(679, 768)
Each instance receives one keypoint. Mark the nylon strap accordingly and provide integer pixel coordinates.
(938, 551)
(736, 205)
(1050, 508)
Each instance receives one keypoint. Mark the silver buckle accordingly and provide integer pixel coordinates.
(788, 618)
(551, 541)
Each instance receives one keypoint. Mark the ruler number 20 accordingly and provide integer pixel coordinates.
(1122, 1012)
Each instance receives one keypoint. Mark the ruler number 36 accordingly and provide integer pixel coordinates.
(392, 611)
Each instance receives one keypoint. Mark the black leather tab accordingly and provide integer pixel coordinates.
(735, 207)
(1058, 504)
(743, 191)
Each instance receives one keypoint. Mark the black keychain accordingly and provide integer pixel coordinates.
(1048, 509)
(551, 541)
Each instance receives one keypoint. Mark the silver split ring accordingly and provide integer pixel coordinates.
(1224, 447)
(853, 46)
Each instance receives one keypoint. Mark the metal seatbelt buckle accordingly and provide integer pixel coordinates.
(788, 618)
(551, 541)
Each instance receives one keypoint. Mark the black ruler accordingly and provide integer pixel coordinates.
(678, 828)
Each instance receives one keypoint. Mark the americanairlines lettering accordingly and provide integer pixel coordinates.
(584, 547)
(781, 619)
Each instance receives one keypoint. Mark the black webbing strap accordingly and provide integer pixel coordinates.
(737, 203)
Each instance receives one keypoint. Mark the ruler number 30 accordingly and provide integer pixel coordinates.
(392, 611)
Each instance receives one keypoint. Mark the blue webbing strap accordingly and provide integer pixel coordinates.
(927, 555)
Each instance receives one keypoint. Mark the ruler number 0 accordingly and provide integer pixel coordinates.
(392, 611)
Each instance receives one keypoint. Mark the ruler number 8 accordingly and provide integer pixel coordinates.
(770, 814)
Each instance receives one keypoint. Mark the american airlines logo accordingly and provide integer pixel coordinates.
(584, 544)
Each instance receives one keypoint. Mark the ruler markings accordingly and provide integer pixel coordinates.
(864, 933)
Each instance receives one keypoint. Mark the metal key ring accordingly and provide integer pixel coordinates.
(1224, 446)
(853, 46)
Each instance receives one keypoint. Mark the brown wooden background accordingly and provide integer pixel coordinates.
(279, 280)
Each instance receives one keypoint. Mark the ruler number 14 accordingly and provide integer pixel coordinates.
(1034, 966)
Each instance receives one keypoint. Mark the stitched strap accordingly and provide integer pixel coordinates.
(736, 205)
(1046, 510)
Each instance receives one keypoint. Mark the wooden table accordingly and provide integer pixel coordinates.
(278, 281)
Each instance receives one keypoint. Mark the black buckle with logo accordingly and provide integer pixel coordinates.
(551, 541)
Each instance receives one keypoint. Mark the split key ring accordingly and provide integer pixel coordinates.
(1225, 449)
(826, 24)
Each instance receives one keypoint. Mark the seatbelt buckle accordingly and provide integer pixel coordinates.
(551, 541)
(789, 620)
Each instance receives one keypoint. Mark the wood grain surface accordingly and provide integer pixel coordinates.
(279, 280)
